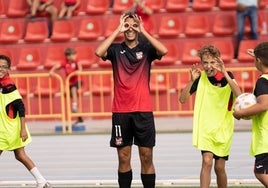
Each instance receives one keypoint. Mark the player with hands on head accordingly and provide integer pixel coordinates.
(213, 122)
(14, 132)
(132, 117)
(259, 111)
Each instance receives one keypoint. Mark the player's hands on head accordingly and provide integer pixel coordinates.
(219, 65)
(195, 72)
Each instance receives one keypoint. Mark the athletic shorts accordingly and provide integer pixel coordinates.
(216, 157)
(261, 164)
(137, 127)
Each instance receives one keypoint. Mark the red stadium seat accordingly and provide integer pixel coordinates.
(190, 51)
(227, 4)
(224, 24)
(111, 23)
(11, 31)
(244, 45)
(197, 25)
(172, 56)
(63, 30)
(120, 6)
(263, 4)
(2, 9)
(170, 26)
(17, 8)
(97, 7)
(101, 84)
(104, 64)
(7, 52)
(203, 5)
(47, 86)
(86, 55)
(36, 31)
(55, 54)
(158, 83)
(176, 5)
(156, 5)
(29, 59)
(90, 28)
(226, 48)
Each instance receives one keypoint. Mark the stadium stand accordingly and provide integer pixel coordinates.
(197, 25)
(190, 51)
(227, 5)
(201, 5)
(243, 56)
(157, 5)
(120, 6)
(86, 55)
(17, 9)
(63, 30)
(54, 55)
(176, 5)
(36, 31)
(97, 7)
(170, 26)
(11, 30)
(224, 24)
(91, 28)
(226, 47)
(29, 59)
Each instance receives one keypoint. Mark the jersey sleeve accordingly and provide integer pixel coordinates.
(259, 87)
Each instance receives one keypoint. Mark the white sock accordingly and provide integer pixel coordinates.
(74, 106)
(37, 175)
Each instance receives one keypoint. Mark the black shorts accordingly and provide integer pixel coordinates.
(137, 126)
(216, 157)
(261, 164)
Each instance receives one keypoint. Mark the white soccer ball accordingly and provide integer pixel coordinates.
(243, 101)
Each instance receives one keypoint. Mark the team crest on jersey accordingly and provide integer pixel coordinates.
(139, 55)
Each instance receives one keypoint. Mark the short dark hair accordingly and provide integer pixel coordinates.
(7, 59)
(69, 51)
(209, 50)
(261, 52)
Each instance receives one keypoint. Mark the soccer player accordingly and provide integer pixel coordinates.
(14, 133)
(259, 111)
(213, 122)
(132, 117)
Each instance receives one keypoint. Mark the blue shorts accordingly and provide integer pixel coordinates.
(137, 127)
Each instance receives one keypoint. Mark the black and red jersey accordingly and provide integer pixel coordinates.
(131, 74)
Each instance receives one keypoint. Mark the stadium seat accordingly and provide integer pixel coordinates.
(29, 59)
(63, 30)
(36, 31)
(101, 84)
(104, 64)
(8, 52)
(54, 55)
(227, 4)
(86, 55)
(22, 86)
(226, 48)
(190, 51)
(17, 8)
(263, 4)
(176, 5)
(47, 86)
(224, 24)
(203, 5)
(246, 79)
(158, 83)
(2, 9)
(97, 7)
(244, 45)
(90, 28)
(120, 6)
(197, 25)
(111, 23)
(172, 56)
(170, 26)
(11, 31)
(156, 5)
